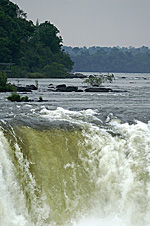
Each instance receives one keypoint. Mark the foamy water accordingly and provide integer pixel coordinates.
(96, 175)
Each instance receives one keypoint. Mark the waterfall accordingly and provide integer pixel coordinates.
(88, 174)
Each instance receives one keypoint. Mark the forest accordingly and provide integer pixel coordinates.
(108, 59)
(37, 51)
(33, 50)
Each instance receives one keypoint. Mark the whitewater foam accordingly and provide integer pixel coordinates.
(95, 176)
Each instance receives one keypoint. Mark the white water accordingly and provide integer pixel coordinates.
(13, 210)
(118, 164)
(120, 167)
(95, 221)
(13, 206)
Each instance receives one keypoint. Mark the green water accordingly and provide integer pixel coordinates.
(55, 161)
(84, 175)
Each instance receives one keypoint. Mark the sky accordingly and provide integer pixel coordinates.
(88, 23)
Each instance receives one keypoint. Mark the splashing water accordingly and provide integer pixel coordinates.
(92, 175)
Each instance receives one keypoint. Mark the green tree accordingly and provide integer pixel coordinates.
(31, 47)
(55, 70)
(97, 80)
(48, 35)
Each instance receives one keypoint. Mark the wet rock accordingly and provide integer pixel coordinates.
(32, 87)
(71, 89)
(76, 75)
(23, 89)
(61, 86)
(64, 88)
(27, 88)
(51, 85)
(80, 75)
(98, 89)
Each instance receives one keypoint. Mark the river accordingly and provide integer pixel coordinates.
(76, 159)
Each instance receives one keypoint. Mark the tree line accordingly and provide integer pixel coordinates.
(107, 59)
(36, 50)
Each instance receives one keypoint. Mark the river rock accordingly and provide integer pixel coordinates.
(61, 86)
(27, 88)
(98, 89)
(76, 75)
(32, 87)
(23, 89)
(51, 85)
(66, 88)
(71, 89)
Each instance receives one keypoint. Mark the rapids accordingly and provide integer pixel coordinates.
(76, 165)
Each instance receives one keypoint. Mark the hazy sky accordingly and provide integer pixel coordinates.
(94, 22)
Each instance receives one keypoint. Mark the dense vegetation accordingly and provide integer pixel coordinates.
(107, 59)
(36, 50)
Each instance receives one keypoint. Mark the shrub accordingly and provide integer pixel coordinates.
(26, 98)
(14, 97)
(4, 87)
(97, 80)
(40, 98)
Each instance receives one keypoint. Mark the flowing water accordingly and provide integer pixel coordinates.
(76, 159)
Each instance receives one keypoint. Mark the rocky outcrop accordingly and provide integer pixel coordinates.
(27, 88)
(32, 87)
(23, 89)
(64, 88)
